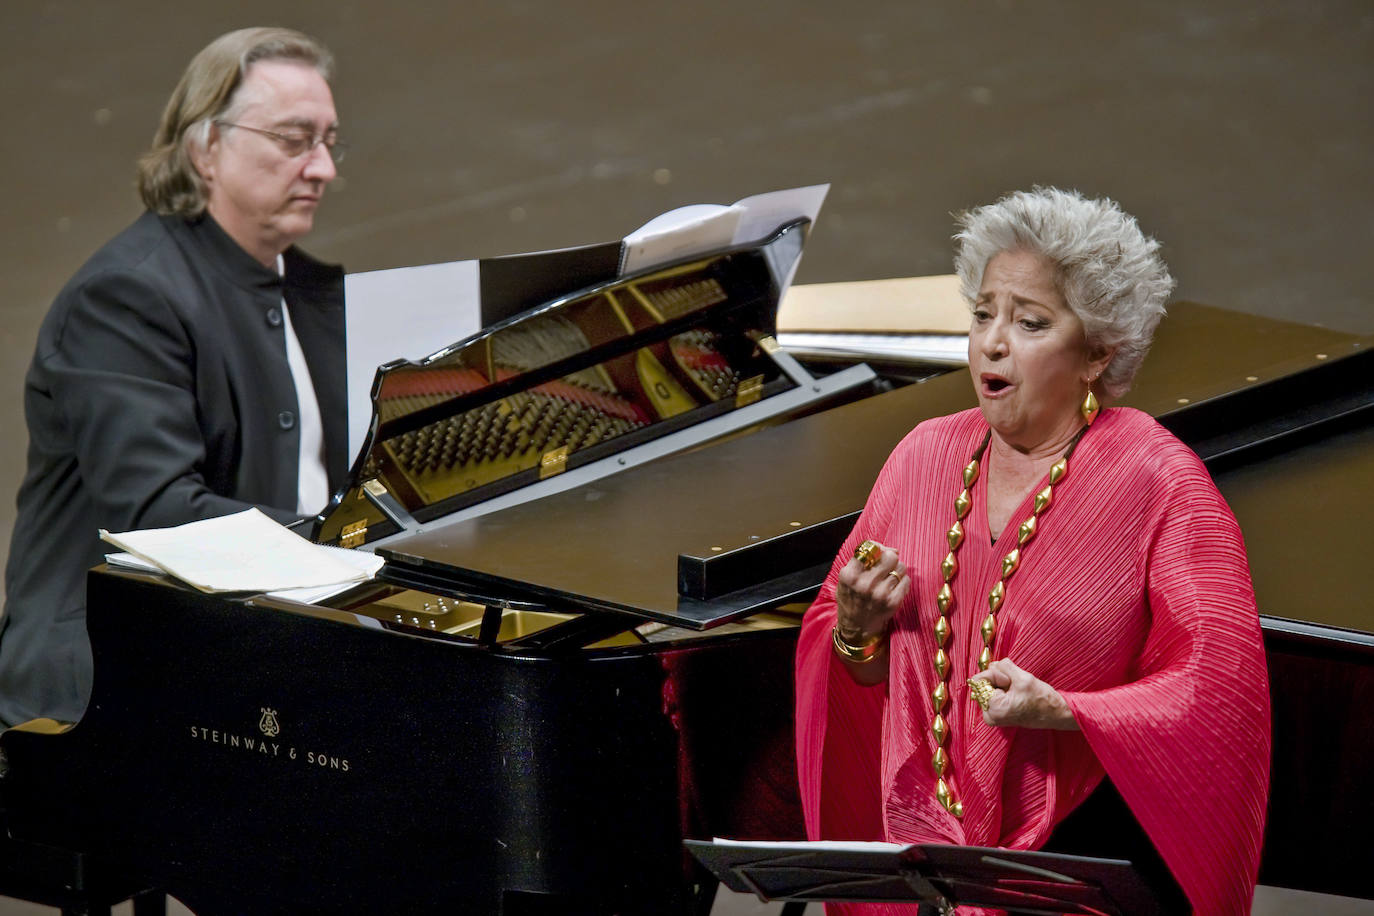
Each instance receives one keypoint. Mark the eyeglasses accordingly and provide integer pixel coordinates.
(298, 143)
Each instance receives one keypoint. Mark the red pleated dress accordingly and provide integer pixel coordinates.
(1133, 600)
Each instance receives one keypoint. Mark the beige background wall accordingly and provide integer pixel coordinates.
(1239, 131)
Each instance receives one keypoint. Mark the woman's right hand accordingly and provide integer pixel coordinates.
(866, 599)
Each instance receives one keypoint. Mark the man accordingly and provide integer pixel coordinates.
(194, 366)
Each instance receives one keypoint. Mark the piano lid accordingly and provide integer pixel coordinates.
(585, 377)
(616, 544)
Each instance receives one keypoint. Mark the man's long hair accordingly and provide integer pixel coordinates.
(167, 178)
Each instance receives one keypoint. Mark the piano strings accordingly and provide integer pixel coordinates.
(513, 434)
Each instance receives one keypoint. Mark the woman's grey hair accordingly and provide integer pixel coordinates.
(1109, 272)
(167, 178)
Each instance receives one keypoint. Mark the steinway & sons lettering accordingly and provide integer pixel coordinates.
(264, 746)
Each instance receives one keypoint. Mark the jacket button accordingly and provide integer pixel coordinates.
(286, 419)
(274, 317)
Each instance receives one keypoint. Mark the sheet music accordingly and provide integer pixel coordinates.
(760, 214)
(244, 552)
(700, 228)
(403, 313)
(678, 234)
(313, 594)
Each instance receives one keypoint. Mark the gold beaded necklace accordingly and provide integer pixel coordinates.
(944, 599)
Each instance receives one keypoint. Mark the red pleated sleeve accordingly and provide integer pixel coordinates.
(1187, 743)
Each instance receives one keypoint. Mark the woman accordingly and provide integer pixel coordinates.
(1040, 591)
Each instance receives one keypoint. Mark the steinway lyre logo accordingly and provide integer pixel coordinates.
(268, 724)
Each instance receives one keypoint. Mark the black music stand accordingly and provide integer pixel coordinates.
(1023, 883)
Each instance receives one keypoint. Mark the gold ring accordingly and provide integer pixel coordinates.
(895, 575)
(868, 553)
(981, 690)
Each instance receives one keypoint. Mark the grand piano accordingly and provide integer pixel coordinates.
(601, 518)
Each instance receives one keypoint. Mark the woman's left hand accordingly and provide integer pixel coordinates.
(1023, 699)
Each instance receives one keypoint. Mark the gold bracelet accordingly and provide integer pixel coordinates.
(857, 654)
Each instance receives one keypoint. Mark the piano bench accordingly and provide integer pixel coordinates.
(69, 881)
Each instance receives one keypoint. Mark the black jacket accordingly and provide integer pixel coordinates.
(159, 394)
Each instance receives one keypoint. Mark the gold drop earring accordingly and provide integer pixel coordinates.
(1090, 407)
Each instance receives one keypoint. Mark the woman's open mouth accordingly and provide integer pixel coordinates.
(993, 385)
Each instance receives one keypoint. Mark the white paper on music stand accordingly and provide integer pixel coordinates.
(700, 228)
(244, 552)
(403, 313)
(314, 594)
(679, 234)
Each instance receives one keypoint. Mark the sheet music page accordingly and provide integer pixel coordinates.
(244, 552)
(679, 233)
(760, 214)
(314, 594)
(403, 313)
(700, 228)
